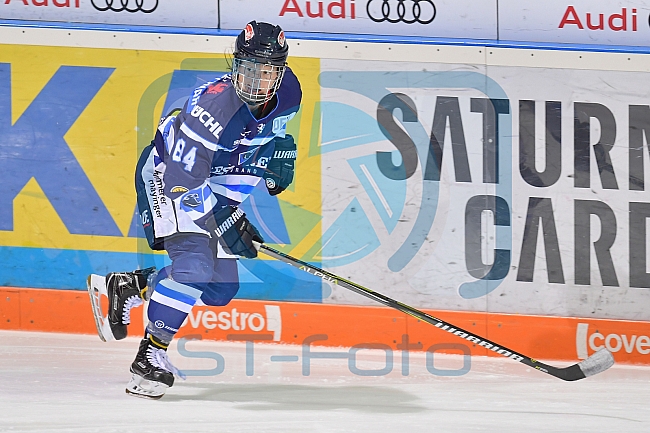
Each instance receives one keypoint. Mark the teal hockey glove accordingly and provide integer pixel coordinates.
(235, 232)
(279, 172)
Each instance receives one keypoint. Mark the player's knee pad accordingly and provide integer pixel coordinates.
(189, 272)
(224, 285)
(192, 259)
(219, 294)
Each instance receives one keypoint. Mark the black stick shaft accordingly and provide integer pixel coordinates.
(570, 373)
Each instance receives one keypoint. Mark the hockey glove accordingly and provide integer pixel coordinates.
(279, 172)
(235, 233)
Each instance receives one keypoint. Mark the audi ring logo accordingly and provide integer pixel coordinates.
(146, 6)
(396, 11)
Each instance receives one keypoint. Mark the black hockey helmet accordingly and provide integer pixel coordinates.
(259, 62)
(262, 42)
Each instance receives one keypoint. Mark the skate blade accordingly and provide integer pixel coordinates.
(96, 288)
(143, 388)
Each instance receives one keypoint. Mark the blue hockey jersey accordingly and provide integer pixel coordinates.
(212, 154)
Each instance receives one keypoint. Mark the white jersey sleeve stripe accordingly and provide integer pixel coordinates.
(233, 195)
(167, 123)
(235, 179)
(196, 137)
(168, 132)
(258, 141)
(246, 189)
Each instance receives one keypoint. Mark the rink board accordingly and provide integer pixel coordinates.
(355, 327)
(501, 185)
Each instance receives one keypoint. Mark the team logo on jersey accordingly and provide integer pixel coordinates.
(192, 200)
(196, 200)
(180, 189)
(260, 127)
(217, 88)
(249, 32)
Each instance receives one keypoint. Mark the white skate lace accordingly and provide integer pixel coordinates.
(158, 358)
(133, 301)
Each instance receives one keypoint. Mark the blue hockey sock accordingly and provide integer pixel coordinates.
(169, 306)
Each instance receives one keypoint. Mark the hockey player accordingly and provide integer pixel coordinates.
(204, 161)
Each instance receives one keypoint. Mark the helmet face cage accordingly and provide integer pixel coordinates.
(256, 82)
(259, 62)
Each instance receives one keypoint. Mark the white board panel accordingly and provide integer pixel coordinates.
(581, 21)
(439, 18)
(178, 13)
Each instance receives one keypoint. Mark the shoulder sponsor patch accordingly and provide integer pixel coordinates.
(207, 120)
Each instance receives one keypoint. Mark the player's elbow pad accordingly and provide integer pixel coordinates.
(280, 170)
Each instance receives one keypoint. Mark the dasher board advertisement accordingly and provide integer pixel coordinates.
(176, 13)
(76, 120)
(580, 21)
(517, 189)
(446, 177)
(431, 18)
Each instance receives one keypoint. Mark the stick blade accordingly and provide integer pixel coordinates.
(597, 363)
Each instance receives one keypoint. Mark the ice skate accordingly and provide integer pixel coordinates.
(124, 291)
(152, 371)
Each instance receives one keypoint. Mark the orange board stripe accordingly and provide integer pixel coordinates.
(543, 337)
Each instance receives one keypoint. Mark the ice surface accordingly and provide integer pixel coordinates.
(75, 383)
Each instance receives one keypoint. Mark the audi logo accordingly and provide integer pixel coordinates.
(146, 6)
(395, 11)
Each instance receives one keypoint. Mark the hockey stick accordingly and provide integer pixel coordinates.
(596, 363)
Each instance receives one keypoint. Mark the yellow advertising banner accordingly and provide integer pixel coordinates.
(74, 121)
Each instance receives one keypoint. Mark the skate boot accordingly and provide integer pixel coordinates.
(152, 371)
(124, 291)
